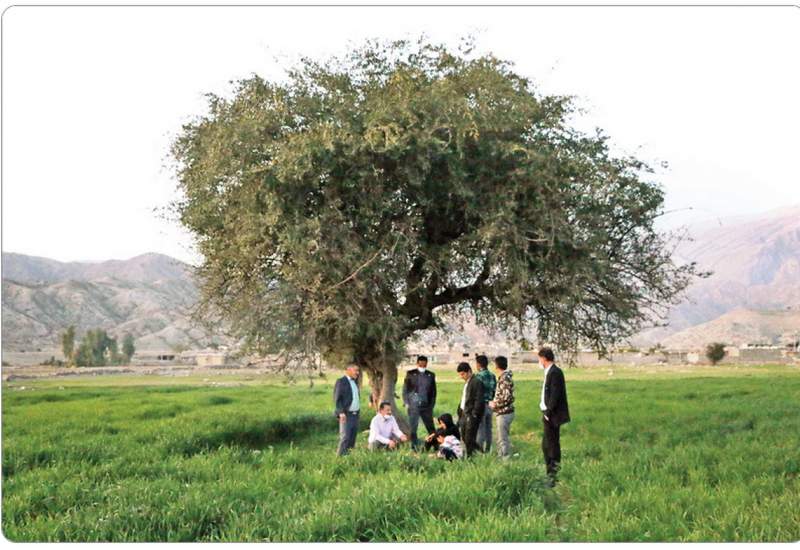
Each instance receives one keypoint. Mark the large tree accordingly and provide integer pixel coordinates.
(363, 198)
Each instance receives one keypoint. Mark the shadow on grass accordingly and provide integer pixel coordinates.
(254, 436)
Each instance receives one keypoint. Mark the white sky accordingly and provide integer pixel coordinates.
(93, 96)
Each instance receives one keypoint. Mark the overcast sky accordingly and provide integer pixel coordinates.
(92, 98)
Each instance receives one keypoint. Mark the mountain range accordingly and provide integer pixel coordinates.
(149, 296)
(753, 295)
(755, 265)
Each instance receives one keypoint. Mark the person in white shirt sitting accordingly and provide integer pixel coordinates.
(384, 433)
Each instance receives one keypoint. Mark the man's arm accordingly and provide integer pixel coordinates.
(556, 392)
(406, 391)
(433, 391)
(475, 397)
(396, 429)
(501, 394)
(337, 397)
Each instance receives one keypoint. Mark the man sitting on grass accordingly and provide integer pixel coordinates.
(384, 433)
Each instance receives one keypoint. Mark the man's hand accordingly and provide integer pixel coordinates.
(491, 405)
(392, 443)
(404, 437)
(342, 417)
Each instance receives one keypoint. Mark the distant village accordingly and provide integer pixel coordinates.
(450, 355)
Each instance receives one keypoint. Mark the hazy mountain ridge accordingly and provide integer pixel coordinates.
(753, 295)
(150, 296)
(756, 267)
(145, 268)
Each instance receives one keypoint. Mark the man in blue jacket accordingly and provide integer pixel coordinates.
(347, 401)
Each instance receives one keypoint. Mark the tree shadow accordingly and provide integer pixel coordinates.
(257, 435)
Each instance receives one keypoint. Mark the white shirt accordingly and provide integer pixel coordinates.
(382, 429)
(541, 402)
(464, 394)
(355, 404)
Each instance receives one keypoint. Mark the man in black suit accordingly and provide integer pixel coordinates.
(555, 411)
(347, 402)
(470, 410)
(419, 396)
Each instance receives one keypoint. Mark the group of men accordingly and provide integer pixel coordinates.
(486, 399)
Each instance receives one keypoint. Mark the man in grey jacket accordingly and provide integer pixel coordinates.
(347, 401)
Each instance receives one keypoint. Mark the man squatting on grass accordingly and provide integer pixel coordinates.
(384, 433)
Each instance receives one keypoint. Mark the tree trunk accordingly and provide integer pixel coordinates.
(383, 382)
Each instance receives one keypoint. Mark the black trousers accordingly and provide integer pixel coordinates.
(469, 432)
(414, 416)
(551, 446)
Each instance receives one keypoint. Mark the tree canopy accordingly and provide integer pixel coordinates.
(363, 198)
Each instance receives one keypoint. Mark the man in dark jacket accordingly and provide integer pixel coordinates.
(470, 410)
(555, 410)
(347, 405)
(419, 396)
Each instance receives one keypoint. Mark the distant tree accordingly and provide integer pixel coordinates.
(97, 349)
(365, 198)
(53, 362)
(68, 343)
(179, 347)
(128, 347)
(715, 352)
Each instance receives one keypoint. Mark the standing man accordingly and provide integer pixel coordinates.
(347, 401)
(503, 406)
(489, 383)
(470, 411)
(419, 396)
(555, 411)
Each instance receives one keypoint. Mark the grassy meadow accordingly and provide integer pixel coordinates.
(652, 454)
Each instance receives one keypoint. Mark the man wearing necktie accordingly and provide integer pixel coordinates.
(555, 411)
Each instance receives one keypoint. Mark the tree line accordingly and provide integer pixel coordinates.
(96, 349)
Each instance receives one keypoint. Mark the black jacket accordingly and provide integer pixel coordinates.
(555, 397)
(411, 385)
(342, 395)
(474, 404)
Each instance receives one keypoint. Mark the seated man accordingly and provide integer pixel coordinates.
(384, 433)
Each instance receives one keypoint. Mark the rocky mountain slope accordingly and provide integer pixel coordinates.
(149, 296)
(756, 276)
(752, 297)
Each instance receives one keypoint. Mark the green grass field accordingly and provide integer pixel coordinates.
(692, 454)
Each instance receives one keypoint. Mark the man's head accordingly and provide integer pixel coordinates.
(546, 357)
(482, 362)
(500, 364)
(422, 362)
(464, 371)
(385, 409)
(352, 370)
